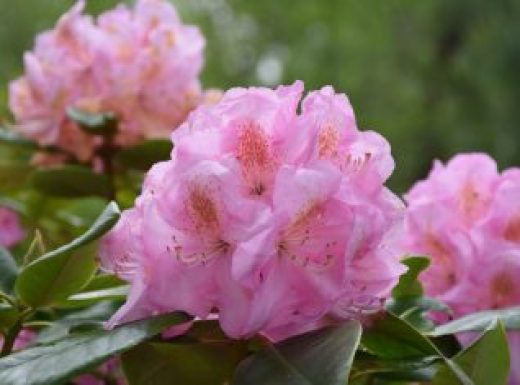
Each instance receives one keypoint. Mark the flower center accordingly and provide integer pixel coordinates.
(328, 140)
(255, 156)
(202, 240)
(470, 200)
(512, 231)
(202, 210)
(502, 287)
(300, 242)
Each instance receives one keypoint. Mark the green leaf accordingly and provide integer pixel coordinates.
(409, 304)
(407, 297)
(393, 338)
(510, 317)
(408, 285)
(323, 357)
(145, 155)
(95, 315)
(71, 181)
(205, 331)
(183, 363)
(94, 123)
(486, 361)
(13, 139)
(57, 362)
(104, 281)
(59, 273)
(100, 288)
(14, 175)
(8, 316)
(8, 271)
(420, 369)
(88, 298)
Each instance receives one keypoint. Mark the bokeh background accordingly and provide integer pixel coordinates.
(436, 77)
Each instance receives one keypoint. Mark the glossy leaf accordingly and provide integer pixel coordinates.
(57, 362)
(323, 357)
(510, 317)
(95, 315)
(60, 273)
(390, 337)
(177, 363)
(486, 361)
(145, 155)
(8, 270)
(420, 369)
(94, 123)
(71, 181)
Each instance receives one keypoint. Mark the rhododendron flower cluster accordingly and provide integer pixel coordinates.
(278, 222)
(466, 217)
(141, 64)
(11, 231)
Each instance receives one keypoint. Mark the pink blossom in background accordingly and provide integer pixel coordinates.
(140, 63)
(466, 217)
(278, 222)
(11, 231)
(24, 339)
(109, 372)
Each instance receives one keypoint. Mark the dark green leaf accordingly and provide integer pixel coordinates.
(205, 331)
(479, 321)
(448, 344)
(321, 357)
(55, 363)
(94, 315)
(14, 175)
(8, 316)
(183, 363)
(393, 338)
(71, 181)
(59, 273)
(145, 155)
(405, 305)
(8, 271)
(486, 361)
(94, 123)
(420, 369)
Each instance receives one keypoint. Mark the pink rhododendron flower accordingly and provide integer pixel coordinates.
(276, 221)
(11, 231)
(466, 217)
(141, 64)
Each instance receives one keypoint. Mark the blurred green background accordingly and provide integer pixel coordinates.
(434, 76)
